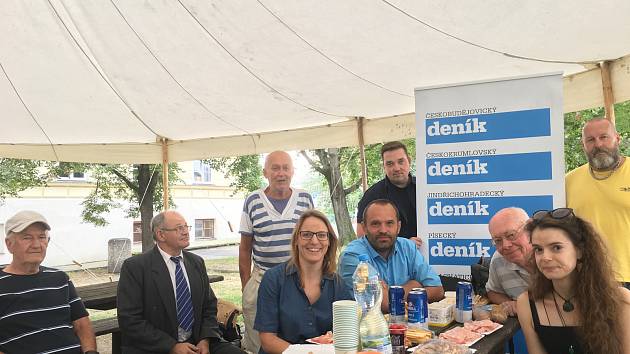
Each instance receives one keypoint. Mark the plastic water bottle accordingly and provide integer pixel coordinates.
(368, 293)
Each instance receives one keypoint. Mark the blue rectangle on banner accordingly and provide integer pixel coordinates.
(480, 210)
(496, 126)
(490, 168)
(459, 251)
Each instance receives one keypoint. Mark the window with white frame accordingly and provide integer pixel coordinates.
(72, 176)
(204, 229)
(202, 173)
(137, 231)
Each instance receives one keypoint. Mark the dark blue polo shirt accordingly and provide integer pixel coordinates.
(403, 198)
(284, 309)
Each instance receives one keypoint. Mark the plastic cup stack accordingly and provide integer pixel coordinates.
(345, 326)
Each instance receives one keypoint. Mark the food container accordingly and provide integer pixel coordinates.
(441, 314)
(438, 346)
(481, 312)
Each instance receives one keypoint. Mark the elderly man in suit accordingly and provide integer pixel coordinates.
(165, 304)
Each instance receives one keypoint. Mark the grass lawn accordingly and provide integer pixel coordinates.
(230, 288)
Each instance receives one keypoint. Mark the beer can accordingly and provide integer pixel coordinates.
(418, 309)
(396, 304)
(463, 302)
(397, 335)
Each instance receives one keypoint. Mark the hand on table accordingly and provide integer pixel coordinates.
(509, 307)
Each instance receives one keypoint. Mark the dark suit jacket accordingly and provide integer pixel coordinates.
(147, 314)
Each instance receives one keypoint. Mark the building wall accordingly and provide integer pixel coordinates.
(73, 240)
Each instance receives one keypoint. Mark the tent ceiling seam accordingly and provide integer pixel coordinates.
(515, 56)
(326, 56)
(17, 93)
(100, 73)
(252, 73)
(175, 80)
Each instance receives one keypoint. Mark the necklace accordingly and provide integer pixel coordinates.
(590, 169)
(558, 309)
(568, 305)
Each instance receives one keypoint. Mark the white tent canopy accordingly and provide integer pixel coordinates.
(105, 81)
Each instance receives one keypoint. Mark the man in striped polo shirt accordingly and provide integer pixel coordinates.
(40, 311)
(269, 216)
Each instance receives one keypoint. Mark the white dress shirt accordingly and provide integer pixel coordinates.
(170, 265)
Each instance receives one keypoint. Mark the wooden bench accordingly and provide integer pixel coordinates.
(109, 326)
(103, 297)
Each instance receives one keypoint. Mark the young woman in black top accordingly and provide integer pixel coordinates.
(574, 304)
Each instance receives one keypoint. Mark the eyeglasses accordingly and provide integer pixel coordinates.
(307, 235)
(559, 213)
(180, 228)
(512, 236)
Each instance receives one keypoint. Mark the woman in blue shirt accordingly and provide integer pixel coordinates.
(295, 298)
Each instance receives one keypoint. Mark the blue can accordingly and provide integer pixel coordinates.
(463, 302)
(396, 304)
(418, 309)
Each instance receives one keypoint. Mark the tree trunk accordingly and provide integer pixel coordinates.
(338, 198)
(146, 189)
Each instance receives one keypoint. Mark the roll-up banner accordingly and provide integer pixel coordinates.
(482, 147)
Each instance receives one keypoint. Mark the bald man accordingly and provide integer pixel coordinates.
(269, 216)
(599, 191)
(509, 271)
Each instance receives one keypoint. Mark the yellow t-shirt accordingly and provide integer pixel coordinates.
(606, 204)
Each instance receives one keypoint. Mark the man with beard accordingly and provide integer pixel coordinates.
(600, 191)
(397, 260)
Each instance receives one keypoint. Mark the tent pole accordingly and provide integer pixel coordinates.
(609, 98)
(360, 121)
(165, 173)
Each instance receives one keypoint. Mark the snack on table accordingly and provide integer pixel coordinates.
(326, 338)
(482, 327)
(498, 314)
(481, 312)
(418, 336)
(438, 346)
(460, 335)
(441, 314)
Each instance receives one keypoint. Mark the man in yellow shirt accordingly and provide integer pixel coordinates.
(599, 191)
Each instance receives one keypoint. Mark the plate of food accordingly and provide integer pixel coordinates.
(484, 327)
(461, 335)
(326, 338)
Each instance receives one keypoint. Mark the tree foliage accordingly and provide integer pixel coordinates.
(18, 175)
(244, 172)
(140, 186)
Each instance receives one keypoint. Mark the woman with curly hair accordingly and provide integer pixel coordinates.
(574, 305)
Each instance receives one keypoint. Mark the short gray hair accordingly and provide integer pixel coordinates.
(157, 222)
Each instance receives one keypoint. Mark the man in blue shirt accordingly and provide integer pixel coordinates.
(397, 260)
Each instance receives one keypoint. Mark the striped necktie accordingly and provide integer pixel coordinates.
(184, 301)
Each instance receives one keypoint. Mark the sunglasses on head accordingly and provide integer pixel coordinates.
(559, 213)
